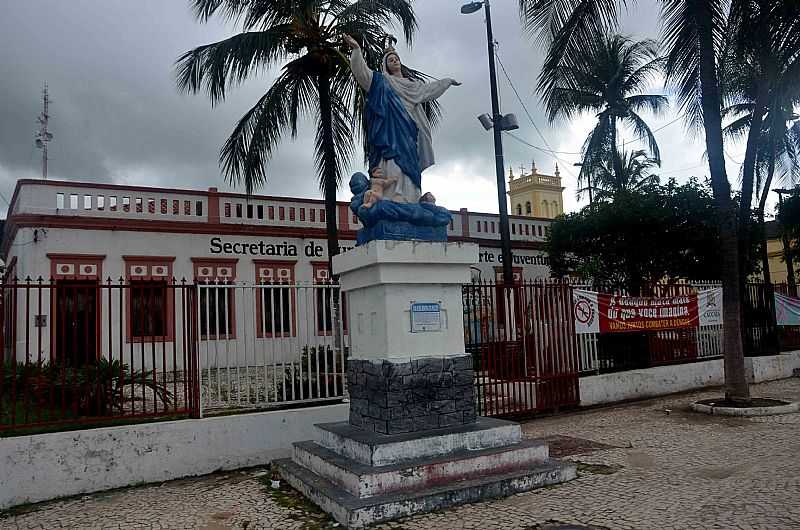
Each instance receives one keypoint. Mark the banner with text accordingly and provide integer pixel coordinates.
(606, 313)
(787, 310)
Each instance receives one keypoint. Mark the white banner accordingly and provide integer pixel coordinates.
(787, 310)
(709, 307)
(587, 306)
(587, 311)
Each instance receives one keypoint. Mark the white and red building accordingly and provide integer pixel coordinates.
(87, 233)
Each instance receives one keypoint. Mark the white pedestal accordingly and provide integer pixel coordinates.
(382, 280)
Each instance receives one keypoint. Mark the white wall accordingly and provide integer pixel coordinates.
(46, 466)
(663, 380)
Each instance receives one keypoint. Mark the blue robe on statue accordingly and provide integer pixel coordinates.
(391, 133)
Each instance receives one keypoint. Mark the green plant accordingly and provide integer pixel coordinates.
(95, 389)
(318, 374)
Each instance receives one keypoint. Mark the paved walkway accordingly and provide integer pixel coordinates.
(648, 465)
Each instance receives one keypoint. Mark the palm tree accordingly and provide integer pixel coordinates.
(693, 34)
(778, 150)
(607, 78)
(634, 174)
(304, 38)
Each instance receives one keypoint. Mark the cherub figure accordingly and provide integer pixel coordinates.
(377, 183)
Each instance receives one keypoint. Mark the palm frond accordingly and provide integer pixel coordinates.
(380, 13)
(643, 131)
(566, 27)
(247, 150)
(215, 67)
(654, 103)
(680, 33)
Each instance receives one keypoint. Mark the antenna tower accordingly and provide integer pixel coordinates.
(43, 136)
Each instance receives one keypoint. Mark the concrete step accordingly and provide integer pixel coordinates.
(364, 481)
(375, 449)
(354, 512)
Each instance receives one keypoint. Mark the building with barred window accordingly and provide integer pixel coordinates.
(105, 267)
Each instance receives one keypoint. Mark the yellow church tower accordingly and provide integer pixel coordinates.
(536, 194)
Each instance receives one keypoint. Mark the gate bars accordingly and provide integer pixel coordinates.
(522, 339)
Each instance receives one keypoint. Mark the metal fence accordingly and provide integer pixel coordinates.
(81, 351)
(263, 345)
(522, 341)
(78, 351)
(602, 353)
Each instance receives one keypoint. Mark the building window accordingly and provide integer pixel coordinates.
(519, 209)
(217, 302)
(528, 208)
(276, 299)
(148, 310)
(151, 302)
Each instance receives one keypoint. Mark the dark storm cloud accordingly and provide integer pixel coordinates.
(117, 116)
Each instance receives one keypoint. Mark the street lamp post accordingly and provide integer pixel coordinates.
(787, 250)
(498, 123)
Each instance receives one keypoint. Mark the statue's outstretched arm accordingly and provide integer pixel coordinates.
(361, 71)
(434, 89)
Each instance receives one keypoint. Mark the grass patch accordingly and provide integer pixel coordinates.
(302, 510)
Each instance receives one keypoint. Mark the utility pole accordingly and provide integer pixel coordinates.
(43, 136)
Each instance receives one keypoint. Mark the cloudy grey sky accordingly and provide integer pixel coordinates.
(117, 116)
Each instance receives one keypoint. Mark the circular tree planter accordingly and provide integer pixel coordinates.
(757, 407)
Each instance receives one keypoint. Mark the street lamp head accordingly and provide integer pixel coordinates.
(468, 9)
(509, 123)
(486, 121)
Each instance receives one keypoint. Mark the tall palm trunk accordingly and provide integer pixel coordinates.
(762, 204)
(769, 288)
(328, 166)
(616, 161)
(736, 387)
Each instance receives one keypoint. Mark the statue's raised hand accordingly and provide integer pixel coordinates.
(350, 41)
(455, 83)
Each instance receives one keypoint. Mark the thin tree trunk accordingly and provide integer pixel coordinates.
(748, 181)
(762, 204)
(329, 182)
(329, 185)
(616, 162)
(736, 387)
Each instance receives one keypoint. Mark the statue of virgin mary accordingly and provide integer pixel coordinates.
(398, 131)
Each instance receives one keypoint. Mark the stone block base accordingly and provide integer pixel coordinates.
(401, 397)
(420, 472)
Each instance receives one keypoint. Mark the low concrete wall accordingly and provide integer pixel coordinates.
(663, 380)
(649, 382)
(46, 466)
(772, 367)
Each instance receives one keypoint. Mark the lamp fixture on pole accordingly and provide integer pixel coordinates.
(498, 123)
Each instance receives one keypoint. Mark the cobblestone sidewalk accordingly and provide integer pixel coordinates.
(648, 465)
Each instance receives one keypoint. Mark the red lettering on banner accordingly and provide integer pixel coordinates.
(631, 313)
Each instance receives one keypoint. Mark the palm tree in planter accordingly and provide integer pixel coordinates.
(304, 38)
(693, 34)
(607, 77)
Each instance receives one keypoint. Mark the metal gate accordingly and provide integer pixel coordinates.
(522, 339)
